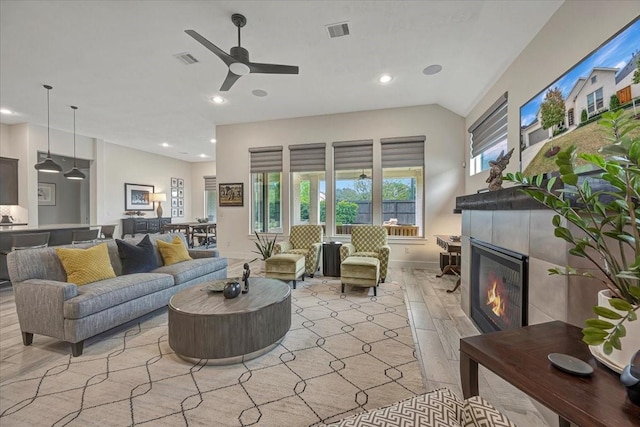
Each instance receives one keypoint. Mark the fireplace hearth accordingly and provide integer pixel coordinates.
(498, 287)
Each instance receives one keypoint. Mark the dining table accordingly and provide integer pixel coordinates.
(192, 231)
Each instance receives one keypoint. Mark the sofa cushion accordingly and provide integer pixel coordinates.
(480, 413)
(173, 252)
(86, 265)
(438, 408)
(184, 272)
(98, 296)
(139, 258)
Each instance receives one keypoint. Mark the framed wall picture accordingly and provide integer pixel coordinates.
(174, 202)
(180, 203)
(174, 192)
(174, 212)
(180, 183)
(137, 197)
(174, 182)
(231, 194)
(180, 212)
(46, 194)
(180, 192)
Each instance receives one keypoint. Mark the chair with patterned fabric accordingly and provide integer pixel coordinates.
(368, 241)
(304, 240)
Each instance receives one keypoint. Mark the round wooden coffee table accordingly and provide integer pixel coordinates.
(205, 325)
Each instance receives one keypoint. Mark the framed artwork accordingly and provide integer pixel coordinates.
(180, 212)
(180, 183)
(137, 197)
(174, 192)
(174, 202)
(231, 194)
(174, 182)
(174, 212)
(180, 203)
(180, 192)
(46, 194)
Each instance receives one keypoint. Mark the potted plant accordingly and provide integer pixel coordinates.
(265, 247)
(608, 222)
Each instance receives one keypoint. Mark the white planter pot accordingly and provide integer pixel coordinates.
(618, 359)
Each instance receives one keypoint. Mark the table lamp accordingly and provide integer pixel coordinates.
(159, 197)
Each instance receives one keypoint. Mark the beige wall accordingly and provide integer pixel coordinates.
(574, 31)
(443, 170)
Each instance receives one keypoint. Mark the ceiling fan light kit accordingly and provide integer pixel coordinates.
(237, 60)
(48, 165)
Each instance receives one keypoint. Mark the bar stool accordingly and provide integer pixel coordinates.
(29, 241)
(84, 236)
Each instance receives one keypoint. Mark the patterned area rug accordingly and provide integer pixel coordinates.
(345, 353)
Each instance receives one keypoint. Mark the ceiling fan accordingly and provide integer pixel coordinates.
(238, 58)
(363, 175)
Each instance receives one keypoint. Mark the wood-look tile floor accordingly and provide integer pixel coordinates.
(438, 324)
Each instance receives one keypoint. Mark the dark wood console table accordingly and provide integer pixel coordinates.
(453, 248)
(520, 357)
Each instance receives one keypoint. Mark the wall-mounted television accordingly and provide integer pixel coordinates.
(566, 112)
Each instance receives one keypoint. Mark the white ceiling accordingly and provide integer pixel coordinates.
(114, 60)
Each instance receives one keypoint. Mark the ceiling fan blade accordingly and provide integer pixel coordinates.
(257, 67)
(226, 58)
(229, 81)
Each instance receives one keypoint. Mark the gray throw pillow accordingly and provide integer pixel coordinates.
(140, 258)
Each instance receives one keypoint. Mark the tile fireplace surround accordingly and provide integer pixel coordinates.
(512, 220)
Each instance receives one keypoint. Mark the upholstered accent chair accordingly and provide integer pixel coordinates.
(304, 240)
(368, 241)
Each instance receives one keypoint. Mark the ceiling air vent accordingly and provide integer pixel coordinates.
(338, 30)
(186, 58)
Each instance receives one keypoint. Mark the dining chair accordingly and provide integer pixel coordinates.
(106, 231)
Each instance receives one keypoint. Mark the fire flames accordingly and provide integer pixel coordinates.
(495, 300)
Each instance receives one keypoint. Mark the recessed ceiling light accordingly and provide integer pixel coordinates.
(217, 99)
(165, 144)
(213, 140)
(385, 78)
(203, 155)
(259, 92)
(5, 111)
(432, 69)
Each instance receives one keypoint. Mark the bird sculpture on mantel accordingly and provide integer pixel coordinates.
(495, 172)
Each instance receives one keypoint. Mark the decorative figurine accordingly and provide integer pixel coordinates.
(495, 172)
(245, 277)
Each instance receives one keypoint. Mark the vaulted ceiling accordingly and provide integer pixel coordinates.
(115, 61)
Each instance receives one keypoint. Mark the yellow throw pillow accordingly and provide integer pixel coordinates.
(86, 265)
(173, 252)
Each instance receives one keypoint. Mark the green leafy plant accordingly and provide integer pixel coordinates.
(265, 245)
(608, 221)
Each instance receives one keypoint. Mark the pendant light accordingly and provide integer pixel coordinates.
(48, 165)
(74, 173)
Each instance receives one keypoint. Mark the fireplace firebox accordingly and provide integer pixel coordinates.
(498, 287)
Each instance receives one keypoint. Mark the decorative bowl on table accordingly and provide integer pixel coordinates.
(218, 285)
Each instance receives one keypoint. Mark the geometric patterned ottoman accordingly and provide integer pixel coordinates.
(438, 408)
(360, 271)
(285, 267)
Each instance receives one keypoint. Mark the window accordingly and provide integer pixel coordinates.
(266, 171)
(210, 198)
(402, 185)
(594, 101)
(594, 79)
(308, 186)
(489, 135)
(353, 165)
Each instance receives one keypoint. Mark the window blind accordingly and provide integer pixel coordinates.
(266, 159)
(353, 154)
(307, 157)
(210, 183)
(402, 151)
(490, 128)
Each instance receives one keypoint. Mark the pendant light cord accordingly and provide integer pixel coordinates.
(74, 135)
(48, 137)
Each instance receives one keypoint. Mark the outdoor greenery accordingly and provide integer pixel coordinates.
(346, 212)
(583, 116)
(608, 222)
(636, 73)
(614, 102)
(552, 109)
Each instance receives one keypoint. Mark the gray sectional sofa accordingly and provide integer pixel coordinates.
(48, 305)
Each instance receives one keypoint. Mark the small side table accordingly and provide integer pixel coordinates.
(453, 248)
(331, 259)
